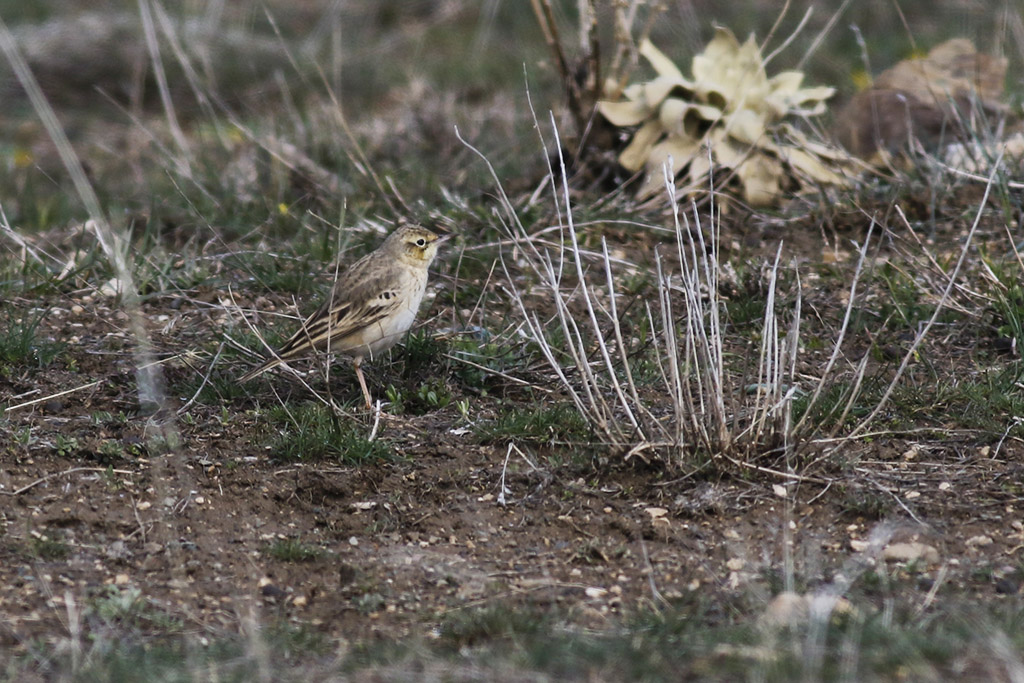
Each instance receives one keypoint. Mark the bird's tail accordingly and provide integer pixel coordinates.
(260, 369)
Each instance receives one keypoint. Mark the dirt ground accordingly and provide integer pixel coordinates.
(401, 544)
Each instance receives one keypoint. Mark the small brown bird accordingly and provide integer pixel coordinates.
(373, 303)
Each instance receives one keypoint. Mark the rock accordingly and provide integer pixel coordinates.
(272, 592)
(924, 99)
(911, 552)
(790, 609)
(785, 609)
(347, 574)
(117, 551)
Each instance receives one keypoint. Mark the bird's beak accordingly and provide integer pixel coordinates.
(441, 239)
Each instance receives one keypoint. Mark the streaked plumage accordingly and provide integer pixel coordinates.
(372, 304)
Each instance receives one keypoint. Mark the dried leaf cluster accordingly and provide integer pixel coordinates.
(729, 115)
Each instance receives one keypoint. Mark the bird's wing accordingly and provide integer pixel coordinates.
(358, 300)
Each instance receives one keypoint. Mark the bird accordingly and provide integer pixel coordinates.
(372, 305)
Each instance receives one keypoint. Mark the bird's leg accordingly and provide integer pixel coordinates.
(362, 382)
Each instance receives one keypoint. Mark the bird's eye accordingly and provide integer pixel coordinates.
(421, 242)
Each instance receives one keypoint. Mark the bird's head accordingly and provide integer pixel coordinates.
(415, 244)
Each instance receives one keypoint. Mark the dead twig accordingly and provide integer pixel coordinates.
(52, 396)
(48, 477)
(206, 379)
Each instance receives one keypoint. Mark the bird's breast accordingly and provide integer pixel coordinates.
(385, 333)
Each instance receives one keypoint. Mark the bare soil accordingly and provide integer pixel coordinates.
(402, 544)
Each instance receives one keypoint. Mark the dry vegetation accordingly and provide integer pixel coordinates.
(649, 438)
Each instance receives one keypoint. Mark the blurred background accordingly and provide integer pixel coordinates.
(370, 47)
(403, 74)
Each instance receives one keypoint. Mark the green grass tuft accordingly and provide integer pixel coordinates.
(311, 432)
(473, 627)
(50, 549)
(21, 344)
(293, 550)
(536, 424)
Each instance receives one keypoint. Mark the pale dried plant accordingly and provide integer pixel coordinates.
(699, 409)
(694, 408)
(729, 115)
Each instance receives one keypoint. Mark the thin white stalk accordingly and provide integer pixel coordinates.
(580, 274)
(837, 346)
(699, 404)
(113, 242)
(792, 349)
(912, 351)
(149, 30)
(710, 364)
(711, 278)
(578, 349)
(551, 170)
(767, 371)
(536, 334)
(674, 385)
(592, 404)
(547, 274)
(614, 315)
(670, 389)
(858, 379)
(686, 407)
(191, 75)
